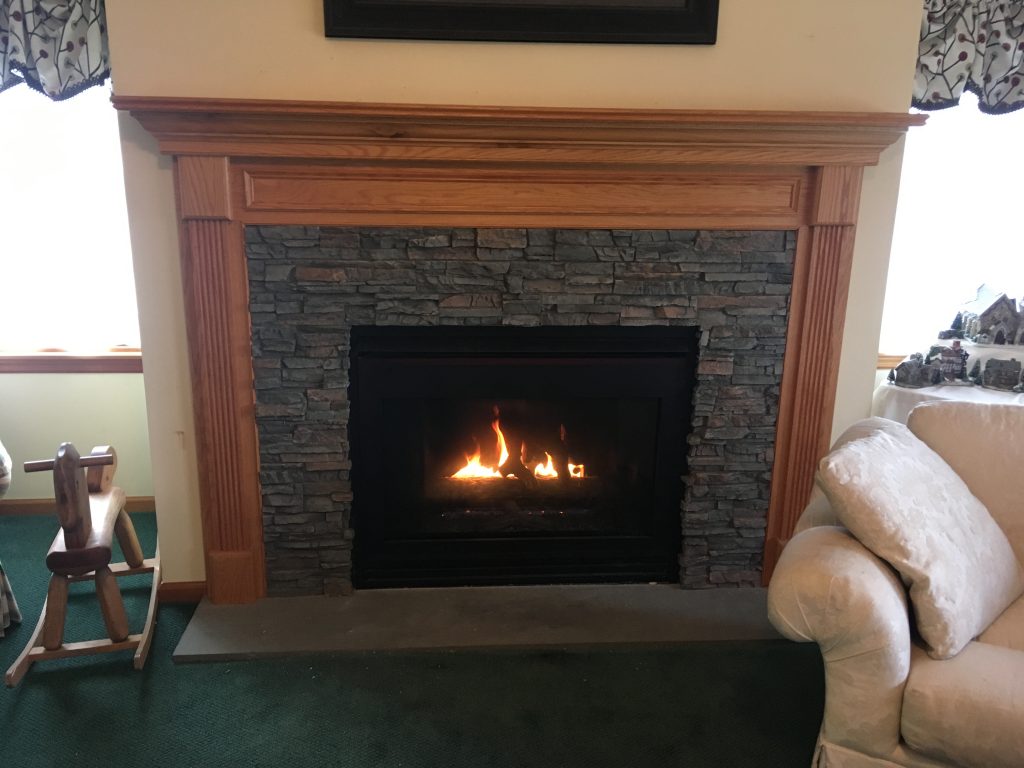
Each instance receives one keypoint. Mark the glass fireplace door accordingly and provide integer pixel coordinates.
(518, 455)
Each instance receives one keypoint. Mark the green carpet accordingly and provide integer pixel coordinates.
(717, 705)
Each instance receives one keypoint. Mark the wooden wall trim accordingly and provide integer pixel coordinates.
(343, 195)
(217, 313)
(188, 592)
(430, 133)
(48, 362)
(215, 284)
(254, 162)
(811, 366)
(203, 187)
(46, 506)
(885, 362)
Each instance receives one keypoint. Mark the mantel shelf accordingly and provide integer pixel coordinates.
(303, 129)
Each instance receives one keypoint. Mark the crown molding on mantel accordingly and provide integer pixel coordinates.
(332, 164)
(361, 131)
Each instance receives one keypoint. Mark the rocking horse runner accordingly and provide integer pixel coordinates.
(91, 511)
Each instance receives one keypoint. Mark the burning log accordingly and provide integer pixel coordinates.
(485, 491)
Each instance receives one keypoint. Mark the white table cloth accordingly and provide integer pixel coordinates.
(892, 402)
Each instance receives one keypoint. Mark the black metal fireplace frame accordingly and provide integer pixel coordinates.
(647, 361)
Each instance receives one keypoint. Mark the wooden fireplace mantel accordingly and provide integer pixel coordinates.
(332, 164)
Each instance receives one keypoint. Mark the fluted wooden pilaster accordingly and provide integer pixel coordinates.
(821, 282)
(216, 301)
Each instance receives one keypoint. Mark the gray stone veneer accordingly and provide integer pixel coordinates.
(310, 285)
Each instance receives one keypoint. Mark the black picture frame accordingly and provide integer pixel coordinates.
(673, 22)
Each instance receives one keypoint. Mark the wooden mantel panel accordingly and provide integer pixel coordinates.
(203, 187)
(814, 342)
(416, 132)
(837, 197)
(216, 303)
(772, 198)
(515, 150)
(261, 162)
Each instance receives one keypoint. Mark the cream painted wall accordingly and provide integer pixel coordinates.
(39, 411)
(867, 290)
(787, 55)
(149, 190)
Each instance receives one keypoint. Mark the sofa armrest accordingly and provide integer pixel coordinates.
(817, 513)
(829, 589)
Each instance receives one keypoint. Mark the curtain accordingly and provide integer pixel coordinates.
(58, 47)
(8, 605)
(974, 45)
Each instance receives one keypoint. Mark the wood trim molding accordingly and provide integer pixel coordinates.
(46, 506)
(429, 133)
(188, 592)
(343, 195)
(809, 384)
(217, 318)
(259, 162)
(47, 362)
(885, 362)
(203, 187)
(814, 342)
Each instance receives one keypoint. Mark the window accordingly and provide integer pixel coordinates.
(66, 279)
(956, 221)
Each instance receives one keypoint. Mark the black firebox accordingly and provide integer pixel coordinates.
(505, 455)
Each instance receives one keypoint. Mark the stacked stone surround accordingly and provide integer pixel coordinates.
(310, 285)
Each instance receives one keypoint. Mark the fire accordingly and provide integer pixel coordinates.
(545, 470)
(502, 448)
(542, 470)
(474, 469)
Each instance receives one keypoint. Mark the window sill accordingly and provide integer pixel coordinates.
(885, 362)
(61, 362)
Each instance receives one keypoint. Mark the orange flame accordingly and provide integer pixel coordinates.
(548, 470)
(545, 470)
(502, 448)
(474, 469)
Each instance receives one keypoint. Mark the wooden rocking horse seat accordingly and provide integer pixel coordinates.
(104, 510)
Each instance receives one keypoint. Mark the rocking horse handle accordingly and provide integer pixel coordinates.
(86, 461)
(74, 478)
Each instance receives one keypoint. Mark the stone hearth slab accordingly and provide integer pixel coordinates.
(474, 617)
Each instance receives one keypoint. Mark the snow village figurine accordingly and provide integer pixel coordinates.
(992, 318)
(956, 328)
(952, 362)
(1001, 374)
(914, 372)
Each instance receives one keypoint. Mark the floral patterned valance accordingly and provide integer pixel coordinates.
(58, 47)
(974, 45)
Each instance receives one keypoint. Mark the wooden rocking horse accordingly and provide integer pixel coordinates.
(91, 511)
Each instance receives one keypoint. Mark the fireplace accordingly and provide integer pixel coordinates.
(242, 166)
(513, 455)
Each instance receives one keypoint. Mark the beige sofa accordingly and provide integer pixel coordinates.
(887, 701)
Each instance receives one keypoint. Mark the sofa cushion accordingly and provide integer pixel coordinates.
(967, 710)
(905, 504)
(819, 511)
(1008, 630)
(983, 443)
